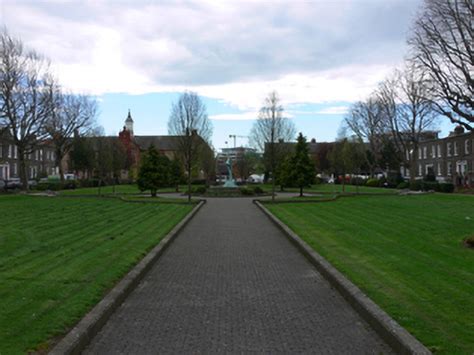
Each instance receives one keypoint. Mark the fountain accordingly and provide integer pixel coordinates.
(230, 182)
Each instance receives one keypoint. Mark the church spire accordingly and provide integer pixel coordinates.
(129, 123)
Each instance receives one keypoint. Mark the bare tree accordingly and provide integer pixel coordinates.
(72, 114)
(442, 43)
(189, 121)
(408, 110)
(271, 129)
(365, 120)
(25, 97)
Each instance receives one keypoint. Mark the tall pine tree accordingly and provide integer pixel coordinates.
(302, 169)
(154, 171)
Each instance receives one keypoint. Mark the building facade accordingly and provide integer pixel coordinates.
(40, 163)
(450, 159)
(136, 145)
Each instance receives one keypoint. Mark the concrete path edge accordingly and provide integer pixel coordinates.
(79, 336)
(394, 334)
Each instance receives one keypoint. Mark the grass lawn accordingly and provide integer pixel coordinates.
(331, 188)
(58, 257)
(406, 253)
(119, 190)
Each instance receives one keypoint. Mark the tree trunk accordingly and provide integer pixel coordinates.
(22, 170)
(273, 187)
(189, 183)
(59, 159)
(413, 169)
(153, 193)
(301, 191)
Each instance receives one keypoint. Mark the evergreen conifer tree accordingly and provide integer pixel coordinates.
(302, 169)
(154, 171)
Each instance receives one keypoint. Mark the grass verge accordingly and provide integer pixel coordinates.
(59, 256)
(406, 253)
(334, 189)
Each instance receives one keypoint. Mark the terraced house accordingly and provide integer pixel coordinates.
(451, 159)
(39, 163)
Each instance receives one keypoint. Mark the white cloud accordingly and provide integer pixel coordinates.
(334, 110)
(310, 52)
(244, 116)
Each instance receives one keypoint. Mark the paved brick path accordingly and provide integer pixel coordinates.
(231, 282)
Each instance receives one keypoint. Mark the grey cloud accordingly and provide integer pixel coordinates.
(248, 41)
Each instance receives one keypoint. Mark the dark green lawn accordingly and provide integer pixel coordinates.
(406, 253)
(58, 256)
(332, 189)
(128, 189)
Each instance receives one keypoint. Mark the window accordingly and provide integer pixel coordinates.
(15, 152)
(439, 150)
(407, 155)
(455, 148)
(433, 151)
(450, 169)
(466, 146)
(10, 151)
(419, 153)
(420, 170)
(14, 169)
(439, 169)
(449, 150)
(41, 154)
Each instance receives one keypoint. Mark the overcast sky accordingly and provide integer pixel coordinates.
(319, 55)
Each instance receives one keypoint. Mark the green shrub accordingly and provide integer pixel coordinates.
(49, 185)
(318, 181)
(258, 190)
(247, 192)
(373, 183)
(200, 190)
(416, 185)
(403, 185)
(430, 186)
(358, 181)
(89, 183)
(446, 187)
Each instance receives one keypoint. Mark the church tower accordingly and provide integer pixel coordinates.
(129, 123)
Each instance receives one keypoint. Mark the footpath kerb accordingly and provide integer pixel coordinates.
(79, 336)
(393, 333)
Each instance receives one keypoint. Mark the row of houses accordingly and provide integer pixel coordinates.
(450, 159)
(42, 162)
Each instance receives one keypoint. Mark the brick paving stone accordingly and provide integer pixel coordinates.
(232, 283)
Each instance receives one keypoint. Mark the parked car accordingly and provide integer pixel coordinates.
(2, 184)
(70, 177)
(32, 183)
(14, 183)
